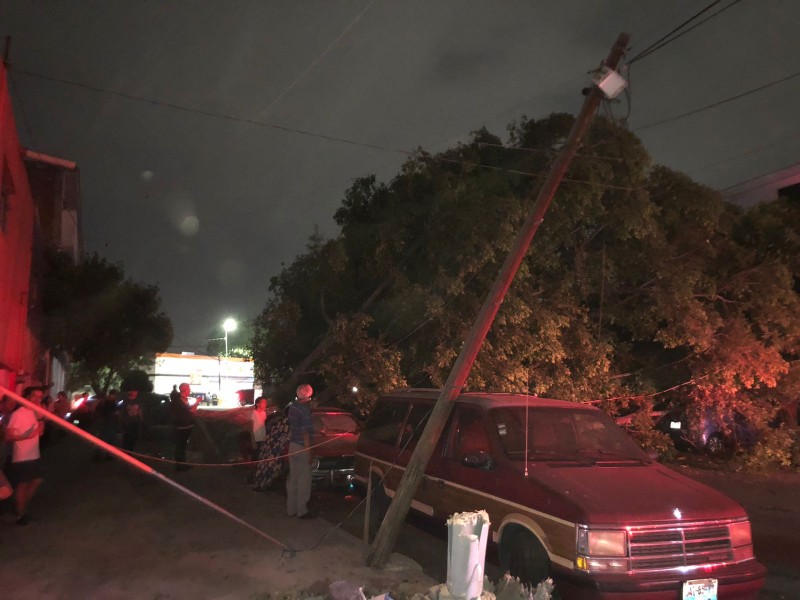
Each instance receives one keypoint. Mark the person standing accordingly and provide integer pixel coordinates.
(108, 411)
(131, 419)
(272, 451)
(62, 406)
(183, 420)
(258, 419)
(25, 469)
(298, 485)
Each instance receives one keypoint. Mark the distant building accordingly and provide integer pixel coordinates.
(208, 374)
(784, 183)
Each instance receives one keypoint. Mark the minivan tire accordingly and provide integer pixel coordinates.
(523, 556)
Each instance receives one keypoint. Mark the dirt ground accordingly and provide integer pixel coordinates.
(103, 531)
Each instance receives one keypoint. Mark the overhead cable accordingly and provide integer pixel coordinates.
(720, 102)
(664, 40)
(748, 152)
(207, 113)
(316, 60)
(685, 31)
(232, 118)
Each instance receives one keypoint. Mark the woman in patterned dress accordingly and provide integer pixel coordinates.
(275, 445)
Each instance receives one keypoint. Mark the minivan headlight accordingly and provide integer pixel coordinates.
(740, 533)
(602, 543)
(741, 540)
(602, 550)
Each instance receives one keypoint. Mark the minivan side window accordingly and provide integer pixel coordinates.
(415, 425)
(469, 435)
(386, 421)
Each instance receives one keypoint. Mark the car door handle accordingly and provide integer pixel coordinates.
(440, 484)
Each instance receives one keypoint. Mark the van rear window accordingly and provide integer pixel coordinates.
(386, 421)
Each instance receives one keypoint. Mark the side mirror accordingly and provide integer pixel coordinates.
(481, 460)
(654, 455)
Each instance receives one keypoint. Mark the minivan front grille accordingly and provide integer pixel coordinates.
(682, 546)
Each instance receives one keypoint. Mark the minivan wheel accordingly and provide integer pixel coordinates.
(378, 505)
(523, 556)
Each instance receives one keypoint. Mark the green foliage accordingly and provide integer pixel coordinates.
(357, 360)
(778, 448)
(651, 439)
(136, 379)
(639, 280)
(106, 323)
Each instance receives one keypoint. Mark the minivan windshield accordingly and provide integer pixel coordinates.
(553, 434)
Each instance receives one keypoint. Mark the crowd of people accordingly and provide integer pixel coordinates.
(24, 433)
(274, 434)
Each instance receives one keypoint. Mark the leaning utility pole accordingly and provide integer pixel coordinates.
(398, 509)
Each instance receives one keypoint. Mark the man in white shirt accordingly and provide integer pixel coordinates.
(23, 431)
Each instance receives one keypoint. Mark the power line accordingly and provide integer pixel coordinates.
(753, 150)
(752, 179)
(546, 151)
(644, 54)
(316, 60)
(207, 113)
(665, 38)
(720, 102)
(232, 118)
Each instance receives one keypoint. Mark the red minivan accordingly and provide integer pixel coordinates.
(569, 495)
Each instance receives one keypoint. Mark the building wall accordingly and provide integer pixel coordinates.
(19, 348)
(209, 374)
(55, 187)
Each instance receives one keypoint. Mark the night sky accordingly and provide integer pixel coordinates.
(209, 207)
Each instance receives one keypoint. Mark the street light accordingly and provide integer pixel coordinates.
(228, 325)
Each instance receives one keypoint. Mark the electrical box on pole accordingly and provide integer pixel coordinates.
(398, 509)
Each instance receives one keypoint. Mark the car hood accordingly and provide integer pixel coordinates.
(343, 444)
(634, 494)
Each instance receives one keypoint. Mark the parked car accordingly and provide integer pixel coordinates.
(569, 495)
(335, 437)
(156, 408)
(246, 397)
(82, 412)
(708, 434)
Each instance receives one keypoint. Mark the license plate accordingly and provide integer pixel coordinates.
(700, 589)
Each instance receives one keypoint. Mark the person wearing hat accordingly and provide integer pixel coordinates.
(298, 484)
(25, 469)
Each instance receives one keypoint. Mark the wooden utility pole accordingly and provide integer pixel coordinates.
(398, 509)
